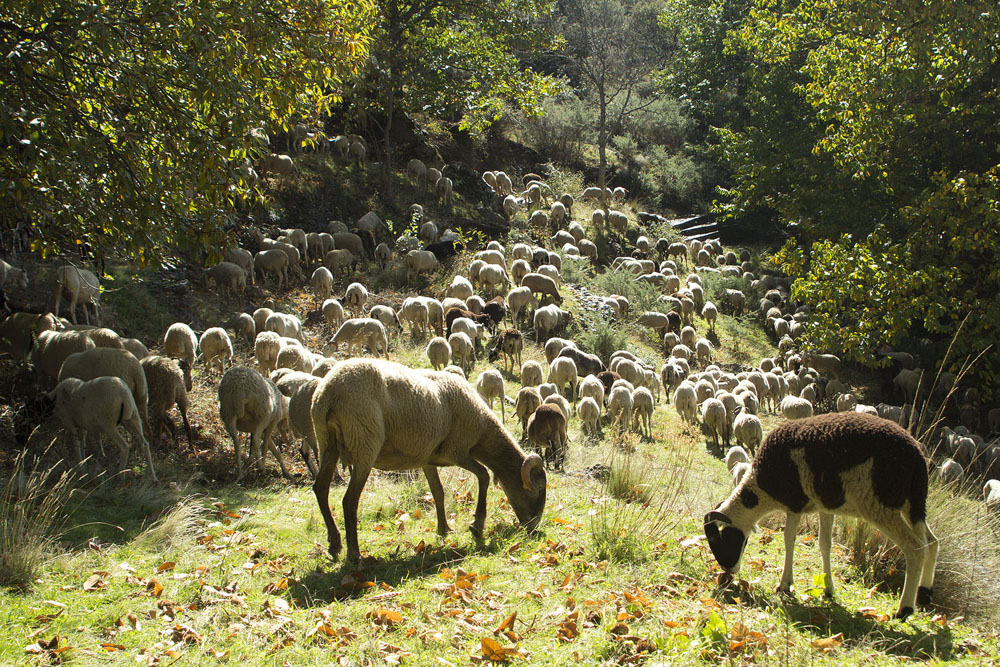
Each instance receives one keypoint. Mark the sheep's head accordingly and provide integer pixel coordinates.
(728, 543)
(528, 499)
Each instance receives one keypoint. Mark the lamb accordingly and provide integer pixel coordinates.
(541, 284)
(322, 282)
(562, 371)
(518, 299)
(463, 352)
(98, 406)
(118, 363)
(546, 429)
(381, 414)
(266, 348)
(589, 412)
(548, 320)
(735, 456)
(213, 346)
(82, 286)
(333, 312)
(713, 415)
(842, 463)
(490, 385)
(355, 297)
(686, 401)
(167, 381)
(360, 331)
(748, 430)
(620, 406)
(531, 373)
(419, 261)
(438, 352)
(793, 407)
(272, 260)
(414, 312)
(228, 277)
(642, 410)
(251, 403)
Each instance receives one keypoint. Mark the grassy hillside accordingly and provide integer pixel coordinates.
(200, 569)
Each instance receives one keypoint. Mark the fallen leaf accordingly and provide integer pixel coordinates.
(827, 644)
(385, 617)
(165, 567)
(154, 588)
(492, 650)
(94, 583)
(508, 624)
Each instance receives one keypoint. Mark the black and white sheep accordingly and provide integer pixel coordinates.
(850, 464)
(379, 414)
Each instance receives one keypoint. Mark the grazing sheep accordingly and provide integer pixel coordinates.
(414, 311)
(793, 407)
(387, 316)
(589, 412)
(18, 331)
(419, 261)
(642, 411)
(228, 277)
(736, 455)
(460, 288)
(546, 429)
(119, 363)
(285, 325)
(438, 352)
(417, 170)
(214, 346)
(322, 282)
(508, 343)
(98, 406)
(713, 415)
(260, 317)
(13, 275)
(541, 284)
(463, 352)
(846, 463)
(295, 357)
(490, 385)
(242, 325)
(333, 312)
(738, 472)
(951, 472)
(991, 492)
(520, 299)
(562, 371)
(355, 298)
(617, 222)
(531, 373)
(527, 401)
(492, 278)
(272, 260)
(381, 414)
(168, 381)
(136, 347)
(620, 406)
(354, 243)
(251, 403)
(748, 430)
(686, 401)
(443, 189)
(82, 286)
(266, 348)
(358, 152)
(586, 364)
(382, 255)
(339, 261)
(360, 331)
(549, 319)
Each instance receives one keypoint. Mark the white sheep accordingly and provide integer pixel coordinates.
(443, 189)
(589, 412)
(381, 414)
(272, 260)
(333, 312)
(295, 357)
(686, 401)
(228, 277)
(531, 373)
(463, 352)
(562, 371)
(12, 275)
(520, 299)
(739, 471)
(98, 406)
(119, 363)
(215, 346)
(322, 282)
(360, 331)
(414, 312)
(991, 492)
(713, 415)
(492, 278)
(736, 455)
(591, 387)
(620, 406)
(748, 430)
(490, 385)
(642, 411)
(266, 347)
(460, 288)
(167, 381)
(242, 326)
(548, 319)
(793, 407)
(339, 261)
(251, 403)
(841, 463)
(951, 472)
(285, 325)
(438, 352)
(82, 286)
(52, 348)
(419, 261)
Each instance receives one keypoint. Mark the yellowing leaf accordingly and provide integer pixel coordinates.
(94, 583)
(166, 567)
(492, 650)
(827, 644)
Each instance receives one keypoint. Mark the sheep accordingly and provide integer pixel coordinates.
(991, 492)
(490, 385)
(339, 261)
(736, 455)
(382, 255)
(475, 304)
(251, 403)
(620, 406)
(617, 222)
(462, 350)
(414, 311)
(846, 402)
(531, 373)
(460, 288)
(417, 170)
(541, 284)
(13, 275)
(685, 401)
(588, 249)
(322, 282)
(272, 260)
(98, 406)
(508, 343)
(382, 414)
(520, 299)
(18, 331)
(360, 331)
(167, 381)
(713, 415)
(589, 412)
(228, 277)
(496, 310)
(428, 233)
(824, 363)
(136, 347)
(266, 347)
(846, 463)
(82, 286)
(214, 345)
(443, 189)
(586, 364)
(642, 410)
(475, 331)
(739, 471)
(355, 297)
(120, 363)
(419, 261)
(386, 315)
(242, 325)
(549, 319)
(951, 472)
(358, 152)
(260, 317)
(748, 430)
(300, 422)
(526, 402)
(284, 324)
(793, 407)
(438, 352)
(295, 357)
(562, 371)
(546, 429)
(908, 381)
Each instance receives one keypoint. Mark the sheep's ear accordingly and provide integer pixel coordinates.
(716, 515)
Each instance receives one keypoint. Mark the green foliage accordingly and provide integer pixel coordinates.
(674, 179)
(641, 296)
(561, 131)
(602, 338)
(139, 149)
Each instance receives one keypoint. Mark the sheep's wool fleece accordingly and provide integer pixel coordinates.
(809, 462)
(385, 415)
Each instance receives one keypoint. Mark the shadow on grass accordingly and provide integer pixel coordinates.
(341, 580)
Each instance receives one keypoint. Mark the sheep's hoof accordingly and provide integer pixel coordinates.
(828, 594)
(783, 590)
(924, 595)
(903, 612)
(476, 531)
(334, 549)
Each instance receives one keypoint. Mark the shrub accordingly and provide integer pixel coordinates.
(602, 338)
(675, 180)
(641, 296)
(561, 131)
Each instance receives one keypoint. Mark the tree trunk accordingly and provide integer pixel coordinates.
(602, 144)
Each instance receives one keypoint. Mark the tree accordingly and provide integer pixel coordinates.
(129, 124)
(453, 59)
(602, 42)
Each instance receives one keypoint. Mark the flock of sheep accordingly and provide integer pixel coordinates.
(369, 413)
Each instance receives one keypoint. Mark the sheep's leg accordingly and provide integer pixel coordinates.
(482, 474)
(825, 542)
(321, 488)
(72, 306)
(926, 589)
(304, 449)
(791, 531)
(437, 491)
(269, 441)
(187, 425)
(915, 550)
(237, 448)
(358, 478)
(115, 437)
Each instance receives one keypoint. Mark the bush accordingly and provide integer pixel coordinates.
(641, 296)
(674, 180)
(561, 131)
(602, 338)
